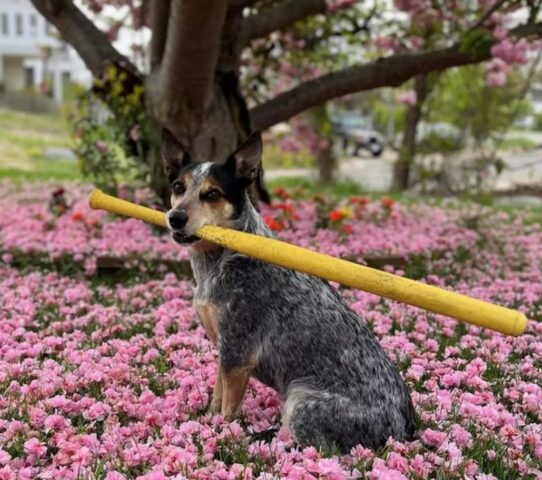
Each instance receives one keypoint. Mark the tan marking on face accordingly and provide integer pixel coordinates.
(210, 183)
(209, 316)
(208, 213)
(202, 212)
(187, 180)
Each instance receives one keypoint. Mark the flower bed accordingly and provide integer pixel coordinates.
(357, 229)
(111, 381)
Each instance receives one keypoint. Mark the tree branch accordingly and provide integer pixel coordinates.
(159, 24)
(279, 16)
(386, 72)
(76, 29)
(186, 74)
(487, 15)
(240, 4)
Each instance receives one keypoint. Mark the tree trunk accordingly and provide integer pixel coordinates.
(326, 164)
(325, 158)
(211, 138)
(407, 152)
(159, 183)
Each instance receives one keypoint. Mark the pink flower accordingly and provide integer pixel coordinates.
(97, 411)
(381, 472)
(496, 79)
(335, 5)
(135, 133)
(407, 98)
(55, 422)
(385, 43)
(34, 447)
(6, 473)
(153, 476)
(5, 457)
(101, 146)
(113, 475)
(433, 437)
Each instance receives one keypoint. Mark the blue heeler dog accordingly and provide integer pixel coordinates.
(291, 331)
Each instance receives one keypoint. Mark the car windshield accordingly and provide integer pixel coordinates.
(353, 122)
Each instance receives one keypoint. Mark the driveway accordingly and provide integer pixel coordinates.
(376, 174)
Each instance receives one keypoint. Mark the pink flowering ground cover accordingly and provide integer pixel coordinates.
(110, 380)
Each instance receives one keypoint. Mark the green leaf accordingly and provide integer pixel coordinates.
(477, 43)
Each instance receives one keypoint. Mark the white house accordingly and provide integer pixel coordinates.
(31, 53)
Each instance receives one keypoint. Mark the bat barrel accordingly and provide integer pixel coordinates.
(99, 200)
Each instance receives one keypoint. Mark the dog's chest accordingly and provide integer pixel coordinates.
(209, 316)
(205, 292)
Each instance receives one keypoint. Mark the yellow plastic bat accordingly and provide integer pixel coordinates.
(437, 300)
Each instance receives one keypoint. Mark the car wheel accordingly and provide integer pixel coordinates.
(375, 148)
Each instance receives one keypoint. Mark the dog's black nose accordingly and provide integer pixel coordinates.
(178, 219)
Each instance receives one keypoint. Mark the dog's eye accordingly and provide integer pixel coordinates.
(211, 196)
(178, 188)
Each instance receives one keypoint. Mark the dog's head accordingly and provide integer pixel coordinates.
(208, 193)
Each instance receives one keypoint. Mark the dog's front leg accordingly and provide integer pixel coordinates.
(234, 382)
(216, 402)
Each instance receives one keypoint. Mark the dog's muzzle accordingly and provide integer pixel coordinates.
(177, 220)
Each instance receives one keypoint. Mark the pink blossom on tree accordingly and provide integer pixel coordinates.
(407, 98)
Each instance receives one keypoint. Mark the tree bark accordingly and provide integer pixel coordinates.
(407, 152)
(279, 16)
(182, 92)
(326, 165)
(159, 27)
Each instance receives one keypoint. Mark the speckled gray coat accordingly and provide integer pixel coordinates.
(338, 386)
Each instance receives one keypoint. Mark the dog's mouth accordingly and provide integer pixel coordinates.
(184, 239)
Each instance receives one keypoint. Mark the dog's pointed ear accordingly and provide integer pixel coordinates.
(174, 156)
(247, 159)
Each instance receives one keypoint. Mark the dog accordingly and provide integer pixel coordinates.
(291, 331)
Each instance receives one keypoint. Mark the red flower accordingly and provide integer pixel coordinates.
(359, 200)
(288, 209)
(273, 224)
(336, 215)
(281, 193)
(387, 203)
(77, 217)
(340, 213)
(348, 229)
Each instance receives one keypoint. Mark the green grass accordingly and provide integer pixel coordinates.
(23, 140)
(517, 143)
(336, 190)
(274, 157)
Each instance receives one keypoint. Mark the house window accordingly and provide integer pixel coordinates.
(19, 24)
(4, 26)
(29, 77)
(33, 20)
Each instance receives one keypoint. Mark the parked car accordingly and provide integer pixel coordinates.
(356, 135)
(440, 130)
